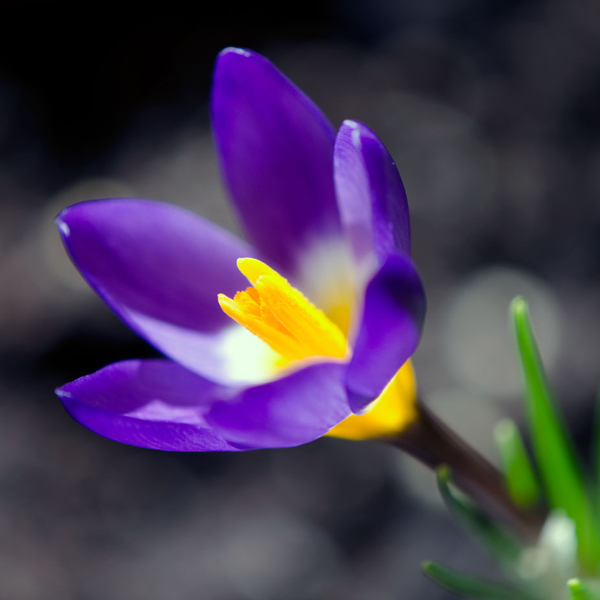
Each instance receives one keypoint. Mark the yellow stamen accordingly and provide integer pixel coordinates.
(296, 329)
(281, 316)
(284, 345)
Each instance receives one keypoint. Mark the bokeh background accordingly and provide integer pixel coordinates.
(492, 112)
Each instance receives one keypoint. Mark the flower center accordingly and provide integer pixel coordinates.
(281, 316)
(296, 329)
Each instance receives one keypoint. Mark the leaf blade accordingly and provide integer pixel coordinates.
(471, 587)
(580, 590)
(521, 480)
(553, 448)
(501, 544)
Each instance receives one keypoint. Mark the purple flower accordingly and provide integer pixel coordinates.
(264, 367)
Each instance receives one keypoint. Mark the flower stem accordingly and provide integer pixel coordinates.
(434, 444)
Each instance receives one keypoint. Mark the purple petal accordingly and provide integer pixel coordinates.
(287, 412)
(371, 197)
(393, 314)
(148, 403)
(160, 268)
(276, 154)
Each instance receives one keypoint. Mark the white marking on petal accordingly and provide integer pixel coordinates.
(248, 360)
(158, 410)
(239, 51)
(63, 227)
(328, 277)
(356, 138)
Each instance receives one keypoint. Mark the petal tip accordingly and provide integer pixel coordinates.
(355, 133)
(350, 124)
(62, 393)
(62, 225)
(236, 51)
(71, 214)
(358, 129)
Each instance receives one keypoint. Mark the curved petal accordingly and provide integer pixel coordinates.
(371, 197)
(148, 403)
(389, 332)
(276, 154)
(290, 411)
(160, 268)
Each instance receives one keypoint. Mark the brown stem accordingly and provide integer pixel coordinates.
(431, 442)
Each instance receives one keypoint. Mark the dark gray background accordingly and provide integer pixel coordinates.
(491, 110)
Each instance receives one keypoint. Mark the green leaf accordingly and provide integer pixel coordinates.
(596, 456)
(500, 543)
(471, 587)
(553, 448)
(579, 590)
(520, 477)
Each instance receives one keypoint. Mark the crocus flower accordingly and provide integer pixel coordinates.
(321, 339)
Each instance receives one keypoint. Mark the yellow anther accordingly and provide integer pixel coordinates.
(283, 344)
(252, 269)
(281, 316)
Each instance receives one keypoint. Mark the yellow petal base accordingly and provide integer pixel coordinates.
(394, 410)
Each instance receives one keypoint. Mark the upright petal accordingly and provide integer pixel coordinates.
(389, 332)
(293, 410)
(160, 268)
(276, 154)
(148, 403)
(371, 198)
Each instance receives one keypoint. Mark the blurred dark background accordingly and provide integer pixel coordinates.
(491, 110)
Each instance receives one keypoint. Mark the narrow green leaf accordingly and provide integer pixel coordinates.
(576, 589)
(520, 476)
(471, 587)
(553, 448)
(596, 456)
(500, 543)
(580, 590)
